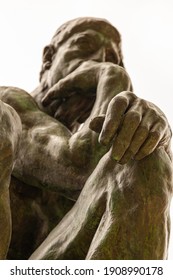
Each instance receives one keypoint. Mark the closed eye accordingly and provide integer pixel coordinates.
(86, 43)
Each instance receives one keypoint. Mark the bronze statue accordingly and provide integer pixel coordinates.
(90, 161)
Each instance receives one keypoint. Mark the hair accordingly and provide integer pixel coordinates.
(71, 27)
(81, 24)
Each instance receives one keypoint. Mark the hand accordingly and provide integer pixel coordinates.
(81, 79)
(74, 95)
(133, 127)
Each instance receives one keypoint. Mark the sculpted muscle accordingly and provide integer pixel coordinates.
(88, 137)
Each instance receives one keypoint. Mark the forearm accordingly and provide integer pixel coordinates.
(111, 80)
(50, 156)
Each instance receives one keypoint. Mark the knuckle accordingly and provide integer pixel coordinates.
(144, 129)
(155, 135)
(131, 95)
(117, 103)
(154, 114)
(147, 106)
(134, 116)
(142, 101)
(162, 121)
(120, 99)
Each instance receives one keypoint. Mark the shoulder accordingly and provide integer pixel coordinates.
(17, 98)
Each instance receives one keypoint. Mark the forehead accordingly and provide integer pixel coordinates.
(81, 25)
(90, 37)
(90, 34)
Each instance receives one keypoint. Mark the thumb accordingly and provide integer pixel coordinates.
(97, 123)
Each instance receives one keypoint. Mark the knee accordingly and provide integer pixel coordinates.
(147, 183)
(144, 183)
(156, 172)
(10, 133)
(10, 122)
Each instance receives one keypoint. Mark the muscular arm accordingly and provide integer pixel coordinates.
(128, 205)
(50, 156)
(10, 130)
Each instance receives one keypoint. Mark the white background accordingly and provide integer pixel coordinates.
(146, 27)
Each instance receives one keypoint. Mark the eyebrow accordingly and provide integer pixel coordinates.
(88, 35)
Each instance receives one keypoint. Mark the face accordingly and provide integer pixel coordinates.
(80, 47)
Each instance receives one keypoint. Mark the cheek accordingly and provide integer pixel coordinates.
(54, 73)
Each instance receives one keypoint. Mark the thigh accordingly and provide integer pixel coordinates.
(35, 212)
(121, 213)
(72, 237)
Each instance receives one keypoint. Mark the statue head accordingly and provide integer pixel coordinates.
(90, 34)
(75, 42)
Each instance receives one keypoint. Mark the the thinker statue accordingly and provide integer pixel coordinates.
(86, 162)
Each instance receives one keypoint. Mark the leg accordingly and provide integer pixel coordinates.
(5, 223)
(122, 213)
(136, 222)
(35, 212)
(10, 128)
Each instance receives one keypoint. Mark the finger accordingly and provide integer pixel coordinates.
(83, 79)
(152, 141)
(114, 115)
(97, 123)
(60, 90)
(122, 141)
(138, 139)
(142, 133)
(126, 157)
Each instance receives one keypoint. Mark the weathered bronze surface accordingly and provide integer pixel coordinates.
(87, 163)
